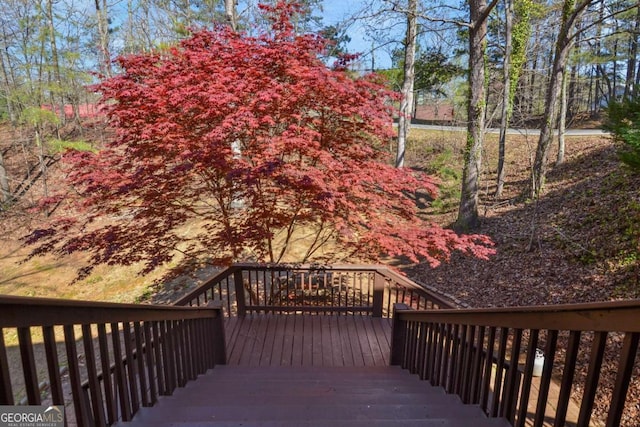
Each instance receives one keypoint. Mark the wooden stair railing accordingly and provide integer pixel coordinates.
(470, 353)
(286, 288)
(118, 356)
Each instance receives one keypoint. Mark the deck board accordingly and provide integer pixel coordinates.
(307, 340)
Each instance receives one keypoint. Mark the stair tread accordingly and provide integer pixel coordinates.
(249, 411)
(419, 422)
(317, 396)
(311, 397)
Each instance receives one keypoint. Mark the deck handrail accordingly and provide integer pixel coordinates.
(131, 353)
(470, 352)
(282, 288)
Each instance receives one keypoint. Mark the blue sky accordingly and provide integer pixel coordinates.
(336, 11)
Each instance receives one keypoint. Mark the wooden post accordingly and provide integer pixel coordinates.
(398, 334)
(239, 285)
(378, 294)
(219, 339)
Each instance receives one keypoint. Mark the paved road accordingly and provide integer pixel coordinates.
(533, 132)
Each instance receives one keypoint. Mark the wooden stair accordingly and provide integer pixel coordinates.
(311, 397)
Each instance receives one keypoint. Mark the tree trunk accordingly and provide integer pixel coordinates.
(7, 88)
(564, 43)
(406, 102)
(506, 95)
(55, 62)
(532, 93)
(231, 14)
(630, 90)
(562, 123)
(573, 88)
(103, 34)
(42, 161)
(5, 191)
(468, 212)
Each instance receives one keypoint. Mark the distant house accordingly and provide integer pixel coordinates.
(435, 112)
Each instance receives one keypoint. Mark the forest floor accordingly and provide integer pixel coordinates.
(578, 243)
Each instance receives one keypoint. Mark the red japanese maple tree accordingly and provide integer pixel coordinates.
(227, 145)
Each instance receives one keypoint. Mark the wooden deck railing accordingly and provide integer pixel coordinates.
(117, 356)
(476, 354)
(372, 290)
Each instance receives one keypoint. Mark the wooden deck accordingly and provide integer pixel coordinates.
(308, 340)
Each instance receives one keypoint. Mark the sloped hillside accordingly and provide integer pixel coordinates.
(578, 243)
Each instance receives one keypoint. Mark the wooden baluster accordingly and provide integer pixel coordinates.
(198, 346)
(497, 384)
(6, 392)
(112, 407)
(455, 356)
(131, 367)
(468, 362)
(360, 291)
(29, 366)
(168, 348)
(178, 351)
(228, 295)
(488, 369)
(194, 348)
(209, 339)
(567, 378)
(183, 365)
(176, 348)
(207, 358)
(142, 373)
(476, 373)
(92, 375)
(625, 369)
(185, 351)
(437, 364)
(201, 350)
(528, 375)
(414, 332)
(545, 380)
(591, 383)
(511, 382)
(149, 352)
(446, 355)
(161, 371)
(79, 404)
(459, 360)
(120, 375)
(53, 365)
(265, 288)
(430, 352)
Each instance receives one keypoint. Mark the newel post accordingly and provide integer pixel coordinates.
(378, 294)
(238, 281)
(219, 339)
(398, 334)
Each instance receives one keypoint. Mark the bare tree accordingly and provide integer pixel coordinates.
(406, 102)
(103, 37)
(506, 94)
(570, 14)
(479, 11)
